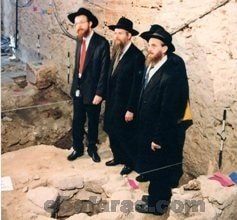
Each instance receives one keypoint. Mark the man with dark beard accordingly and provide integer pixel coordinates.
(162, 105)
(124, 83)
(89, 82)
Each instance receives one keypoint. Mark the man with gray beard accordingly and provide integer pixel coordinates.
(124, 84)
(162, 105)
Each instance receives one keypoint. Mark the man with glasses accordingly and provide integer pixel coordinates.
(89, 82)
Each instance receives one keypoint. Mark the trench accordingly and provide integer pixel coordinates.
(32, 116)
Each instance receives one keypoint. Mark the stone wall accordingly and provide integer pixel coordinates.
(204, 35)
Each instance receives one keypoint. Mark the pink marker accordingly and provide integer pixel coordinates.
(132, 183)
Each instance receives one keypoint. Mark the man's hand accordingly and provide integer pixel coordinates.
(129, 116)
(155, 146)
(97, 100)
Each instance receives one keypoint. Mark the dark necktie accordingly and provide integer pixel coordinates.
(116, 61)
(82, 56)
(147, 77)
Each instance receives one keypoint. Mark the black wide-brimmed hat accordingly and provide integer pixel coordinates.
(87, 13)
(125, 24)
(157, 31)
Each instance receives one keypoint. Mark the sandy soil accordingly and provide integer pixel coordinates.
(44, 161)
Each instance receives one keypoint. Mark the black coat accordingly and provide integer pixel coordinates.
(95, 73)
(162, 104)
(123, 91)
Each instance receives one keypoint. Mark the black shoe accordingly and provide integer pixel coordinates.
(144, 208)
(141, 178)
(145, 198)
(112, 163)
(95, 157)
(74, 155)
(126, 170)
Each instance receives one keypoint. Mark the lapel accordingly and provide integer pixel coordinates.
(122, 61)
(142, 88)
(78, 52)
(111, 67)
(90, 50)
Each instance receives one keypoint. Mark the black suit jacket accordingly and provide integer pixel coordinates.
(161, 106)
(123, 91)
(94, 76)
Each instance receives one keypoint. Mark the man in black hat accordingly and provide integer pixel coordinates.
(161, 108)
(124, 83)
(89, 82)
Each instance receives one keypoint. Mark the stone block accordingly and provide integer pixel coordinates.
(41, 73)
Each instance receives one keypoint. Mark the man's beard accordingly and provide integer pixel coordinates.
(117, 48)
(82, 33)
(153, 59)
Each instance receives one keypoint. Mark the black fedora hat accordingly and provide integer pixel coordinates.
(87, 13)
(157, 31)
(125, 24)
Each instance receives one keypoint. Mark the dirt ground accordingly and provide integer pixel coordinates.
(23, 166)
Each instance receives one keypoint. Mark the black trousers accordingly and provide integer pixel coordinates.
(118, 148)
(162, 182)
(81, 112)
(159, 189)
